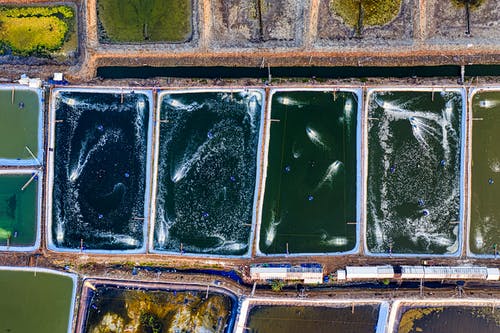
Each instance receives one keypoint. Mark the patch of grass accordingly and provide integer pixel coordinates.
(373, 12)
(36, 31)
(145, 20)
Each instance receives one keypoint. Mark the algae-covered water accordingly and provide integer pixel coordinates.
(18, 210)
(452, 319)
(414, 167)
(485, 191)
(100, 168)
(136, 311)
(32, 302)
(145, 20)
(310, 190)
(19, 125)
(300, 319)
(207, 169)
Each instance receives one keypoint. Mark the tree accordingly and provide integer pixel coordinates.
(277, 285)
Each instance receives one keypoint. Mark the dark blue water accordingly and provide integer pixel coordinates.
(207, 172)
(100, 170)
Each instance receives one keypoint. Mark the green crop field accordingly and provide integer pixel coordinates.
(366, 12)
(145, 20)
(36, 31)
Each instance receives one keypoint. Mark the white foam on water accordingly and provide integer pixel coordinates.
(296, 152)
(335, 241)
(60, 233)
(479, 239)
(119, 239)
(272, 229)
(487, 104)
(85, 154)
(315, 138)
(181, 170)
(494, 165)
(163, 227)
(454, 247)
(285, 100)
(330, 173)
(252, 110)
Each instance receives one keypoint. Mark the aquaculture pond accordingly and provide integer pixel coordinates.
(100, 170)
(414, 170)
(145, 20)
(311, 181)
(450, 319)
(485, 191)
(18, 210)
(207, 170)
(115, 309)
(35, 302)
(20, 125)
(299, 319)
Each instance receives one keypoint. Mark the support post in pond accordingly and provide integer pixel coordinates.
(182, 251)
(352, 308)
(467, 17)
(121, 96)
(32, 155)
(432, 96)
(13, 94)
(208, 289)
(81, 244)
(8, 242)
(269, 73)
(287, 252)
(28, 182)
(462, 74)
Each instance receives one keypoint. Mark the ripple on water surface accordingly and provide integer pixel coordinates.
(207, 171)
(100, 170)
(414, 165)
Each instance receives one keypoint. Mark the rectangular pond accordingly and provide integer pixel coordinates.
(312, 172)
(207, 169)
(484, 234)
(99, 170)
(295, 316)
(145, 21)
(414, 167)
(20, 209)
(136, 307)
(21, 124)
(36, 300)
(449, 319)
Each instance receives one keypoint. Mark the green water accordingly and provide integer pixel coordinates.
(414, 162)
(18, 124)
(32, 303)
(310, 193)
(145, 20)
(18, 210)
(485, 214)
(450, 319)
(300, 319)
